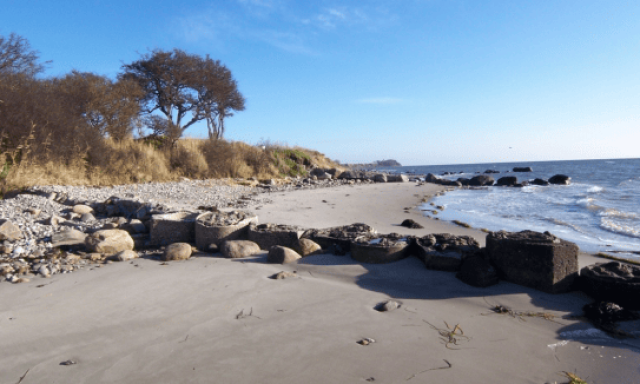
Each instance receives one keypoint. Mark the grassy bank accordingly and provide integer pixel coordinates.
(151, 159)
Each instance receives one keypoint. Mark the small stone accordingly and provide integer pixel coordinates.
(284, 275)
(55, 220)
(366, 341)
(387, 306)
(177, 251)
(69, 362)
(81, 209)
(87, 217)
(34, 211)
(68, 237)
(409, 223)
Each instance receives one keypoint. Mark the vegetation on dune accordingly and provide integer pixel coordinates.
(80, 128)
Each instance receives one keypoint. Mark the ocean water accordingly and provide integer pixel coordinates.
(600, 210)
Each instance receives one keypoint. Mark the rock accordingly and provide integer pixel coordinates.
(397, 178)
(55, 220)
(172, 228)
(477, 272)
(284, 275)
(124, 256)
(560, 180)
(540, 182)
(444, 251)
(68, 237)
(489, 171)
(387, 306)
(522, 169)
(410, 223)
(238, 249)
(177, 251)
(9, 231)
(381, 250)
(217, 227)
(339, 236)
(35, 212)
(81, 209)
(537, 260)
(615, 282)
(306, 247)
(464, 181)
(109, 241)
(282, 255)
(431, 178)
(380, 178)
(87, 217)
(481, 181)
(268, 235)
(507, 181)
(606, 314)
(134, 226)
(44, 271)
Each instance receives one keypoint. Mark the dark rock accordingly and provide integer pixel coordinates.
(491, 171)
(477, 272)
(268, 235)
(522, 169)
(410, 223)
(542, 182)
(380, 178)
(537, 260)
(560, 180)
(463, 181)
(443, 251)
(602, 312)
(397, 178)
(431, 178)
(507, 181)
(382, 250)
(451, 183)
(481, 181)
(612, 282)
(340, 236)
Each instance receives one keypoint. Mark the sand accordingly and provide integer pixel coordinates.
(214, 320)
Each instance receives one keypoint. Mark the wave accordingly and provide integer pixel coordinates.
(611, 212)
(621, 229)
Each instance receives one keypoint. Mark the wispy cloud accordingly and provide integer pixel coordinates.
(380, 100)
(275, 22)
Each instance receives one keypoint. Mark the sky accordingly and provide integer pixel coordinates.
(424, 82)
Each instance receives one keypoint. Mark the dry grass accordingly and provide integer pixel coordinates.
(133, 161)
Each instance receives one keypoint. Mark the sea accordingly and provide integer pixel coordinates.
(599, 210)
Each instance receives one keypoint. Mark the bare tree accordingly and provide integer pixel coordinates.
(16, 57)
(185, 89)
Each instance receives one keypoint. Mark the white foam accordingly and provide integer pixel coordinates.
(595, 189)
(622, 229)
(556, 345)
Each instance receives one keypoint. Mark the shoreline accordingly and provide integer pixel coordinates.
(153, 322)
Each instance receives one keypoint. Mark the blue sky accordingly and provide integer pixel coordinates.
(421, 81)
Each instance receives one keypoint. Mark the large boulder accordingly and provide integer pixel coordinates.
(444, 251)
(612, 282)
(431, 178)
(380, 250)
(217, 227)
(522, 169)
(171, 228)
(539, 181)
(239, 249)
(68, 237)
(481, 181)
(177, 251)
(268, 235)
(397, 178)
(9, 231)
(507, 181)
(109, 241)
(380, 178)
(560, 180)
(306, 247)
(339, 236)
(282, 255)
(537, 260)
(477, 272)
(356, 175)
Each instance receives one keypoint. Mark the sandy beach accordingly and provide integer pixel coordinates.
(216, 320)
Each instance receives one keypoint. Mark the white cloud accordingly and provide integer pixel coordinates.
(380, 100)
